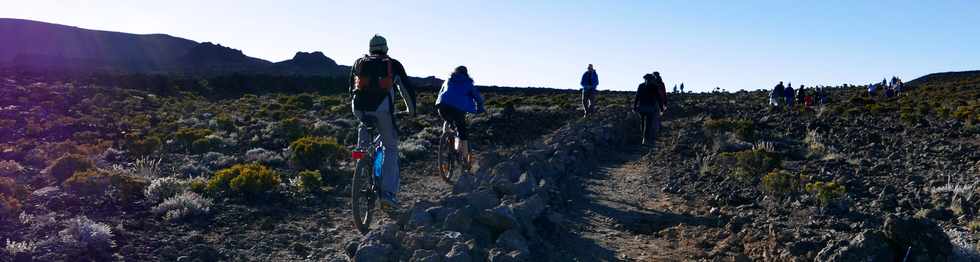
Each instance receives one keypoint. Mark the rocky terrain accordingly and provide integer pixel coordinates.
(96, 172)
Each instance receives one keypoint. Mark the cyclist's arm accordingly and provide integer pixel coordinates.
(479, 100)
(405, 88)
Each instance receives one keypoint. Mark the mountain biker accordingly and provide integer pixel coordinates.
(590, 80)
(650, 104)
(372, 83)
(457, 97)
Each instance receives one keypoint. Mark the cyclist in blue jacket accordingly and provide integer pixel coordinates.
(457, 97)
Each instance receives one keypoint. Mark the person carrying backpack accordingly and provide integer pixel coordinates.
(457, 97)
(776, 96)
(650, 104)
(590, 80)
(373, 80)
(788, 93)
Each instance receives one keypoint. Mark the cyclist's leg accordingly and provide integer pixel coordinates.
(389, 138)
(363, 137)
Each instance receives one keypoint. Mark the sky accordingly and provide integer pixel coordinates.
(704, 44)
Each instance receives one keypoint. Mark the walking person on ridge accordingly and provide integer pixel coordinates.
(590, 81)
(650, 104)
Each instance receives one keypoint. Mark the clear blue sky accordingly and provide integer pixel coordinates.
(731, 44)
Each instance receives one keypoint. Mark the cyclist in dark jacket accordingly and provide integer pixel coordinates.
(650, 104)
(372, 84)
(590, 80)
(458, 97)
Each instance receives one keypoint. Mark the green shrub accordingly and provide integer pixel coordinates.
(304, 101)
(313, 152)
(743, 128)
(225, 122)
(99, 182)
(66, 166)
(781, 183)
(310, 181)
(752, 164)
(245, 179)
(292, 128)
(142, 147)
(9, 207)
(826, 192)
(206, 144)
(187, 136)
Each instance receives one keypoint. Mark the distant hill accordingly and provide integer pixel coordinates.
(949, 78)
(44, 46)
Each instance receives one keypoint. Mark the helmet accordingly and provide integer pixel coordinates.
(378, 44)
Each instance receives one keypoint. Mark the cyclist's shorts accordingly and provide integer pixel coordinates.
(455, 117)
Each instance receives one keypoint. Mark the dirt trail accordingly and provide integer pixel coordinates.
(618, 213)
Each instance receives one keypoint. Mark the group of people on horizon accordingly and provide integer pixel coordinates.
(785, 96)
(650, 101)
(891, 89)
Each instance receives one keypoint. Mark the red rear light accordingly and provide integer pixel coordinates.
(357, 155)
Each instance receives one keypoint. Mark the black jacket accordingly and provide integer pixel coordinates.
(649, 95)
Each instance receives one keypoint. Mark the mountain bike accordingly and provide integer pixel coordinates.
(450, 162)
(366, 183)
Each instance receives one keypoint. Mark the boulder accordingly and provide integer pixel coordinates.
(457, 220)
(927, 240)
(459, 253)
(374, 252)
(424, 255)
(500, 218)
(419, 217)
(513, 240)
(866, 246)
(482, 199)
(507, 169)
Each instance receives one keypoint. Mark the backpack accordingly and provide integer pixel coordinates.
(374, 74)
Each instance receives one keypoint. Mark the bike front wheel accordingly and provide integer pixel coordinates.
(363, 196)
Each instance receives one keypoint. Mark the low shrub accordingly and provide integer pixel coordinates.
(826, 192)
(224, 122)
(291, 128)
(183, 206)
(9, 207)
(781, 183)
(142, 147)
(87, 236)
(103, 182)
(310, 181)
(206, 144)
(315, 152)
(165, 187)
(752, 164)
(187, 136)
(66, 166)
(197, 185)
(10, 168)
(743, 128)
(245, 179)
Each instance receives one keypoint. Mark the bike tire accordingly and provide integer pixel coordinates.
(363, 196)
(446, 163)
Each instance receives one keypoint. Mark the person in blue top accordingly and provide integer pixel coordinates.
(590, 80)
(789, 93)
(457, 97)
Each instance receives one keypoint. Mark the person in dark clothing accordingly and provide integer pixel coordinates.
(590, 81)
(650, 104)
(372, 85)
(789, 93)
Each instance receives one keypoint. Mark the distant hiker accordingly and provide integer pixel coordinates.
(872, 90)
(789, 94)
(372, 83)
(682, 87)
(675, 89)
(801, 95)
(590, 80)
(776, 96)
(889, 92)
(457, 97)
(650, 104)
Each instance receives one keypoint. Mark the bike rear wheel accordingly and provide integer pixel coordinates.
(363, 196)
(447, 159)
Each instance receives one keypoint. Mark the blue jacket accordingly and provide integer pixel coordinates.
(460, 93)
(590, 79)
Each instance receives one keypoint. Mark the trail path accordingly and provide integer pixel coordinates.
(618, 213)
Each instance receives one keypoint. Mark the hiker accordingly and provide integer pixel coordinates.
(682, 88)
(675, 89)
(872, 90)
(788, 94)
(590, 80)
(776, 96)
(372, 84)
(650, 104)
(801, 95)
(458, 97)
